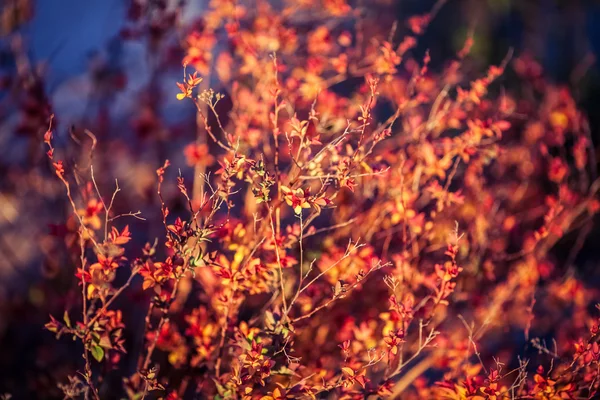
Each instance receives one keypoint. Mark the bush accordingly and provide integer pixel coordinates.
(360, 224)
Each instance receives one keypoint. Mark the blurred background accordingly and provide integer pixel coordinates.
(110, 66)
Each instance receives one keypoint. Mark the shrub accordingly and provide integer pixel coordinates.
(360, 224)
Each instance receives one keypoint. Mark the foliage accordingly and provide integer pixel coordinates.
(359, 225)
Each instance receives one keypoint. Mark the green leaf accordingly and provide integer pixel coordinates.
(97, 353)
(105, 342)
(284, 371)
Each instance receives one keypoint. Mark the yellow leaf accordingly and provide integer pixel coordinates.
(90, 290)
(348, 371)
(148, 283)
